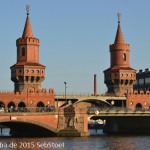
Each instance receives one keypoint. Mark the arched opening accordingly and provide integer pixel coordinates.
(126, 82)
(11, 104)
(21, 78)
(11, 107)
(23, 51)
(38, 79)
(22, 107)
(21, 104)
(32, 78)
(27, 78)
(2, 105)
(121, 82)
(138, 106)
(40, 107)
(124, 56)
(40, 104)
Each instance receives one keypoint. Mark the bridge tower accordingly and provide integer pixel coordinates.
(27, 72)
(120, 77)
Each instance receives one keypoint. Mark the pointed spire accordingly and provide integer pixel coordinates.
(119, 36)
(27, 28)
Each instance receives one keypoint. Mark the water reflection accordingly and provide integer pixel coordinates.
(97, 142)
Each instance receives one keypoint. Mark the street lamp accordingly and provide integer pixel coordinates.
(65, 92)
(112, 103)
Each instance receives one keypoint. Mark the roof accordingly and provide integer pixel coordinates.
(119, 36)
(28, 64)
(115, 68)
(27, 29)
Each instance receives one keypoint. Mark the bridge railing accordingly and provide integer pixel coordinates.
(93, 109)
(27, 109)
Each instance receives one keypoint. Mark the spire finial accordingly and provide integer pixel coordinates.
(27, 9)
(119, 17)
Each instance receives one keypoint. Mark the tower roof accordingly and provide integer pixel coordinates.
(119, 36)
(27, 28)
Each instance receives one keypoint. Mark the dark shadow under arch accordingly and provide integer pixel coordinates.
(29, 128)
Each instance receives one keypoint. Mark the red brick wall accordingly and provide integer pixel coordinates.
(134, 98)
(30, 98)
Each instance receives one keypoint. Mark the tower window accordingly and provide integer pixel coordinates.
(23, 51)
(124, 56)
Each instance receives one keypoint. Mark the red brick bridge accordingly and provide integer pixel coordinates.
(68, 121)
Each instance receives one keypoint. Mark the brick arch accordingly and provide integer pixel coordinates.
(2, 104)
(40, 103)
(11, 102)
(33, 122)
(21, 104)
(138, 106)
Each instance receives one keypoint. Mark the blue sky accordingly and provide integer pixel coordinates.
(75, 37)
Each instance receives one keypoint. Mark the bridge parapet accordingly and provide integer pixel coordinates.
(115, 111)
(27, 109)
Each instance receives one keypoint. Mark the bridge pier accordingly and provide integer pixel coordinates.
(72, 122)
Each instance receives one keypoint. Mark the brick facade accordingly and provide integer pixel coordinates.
(138, 100)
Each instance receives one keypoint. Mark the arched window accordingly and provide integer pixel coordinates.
(124, 56)
(23, 51)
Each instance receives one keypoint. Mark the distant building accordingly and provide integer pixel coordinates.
(142, 80)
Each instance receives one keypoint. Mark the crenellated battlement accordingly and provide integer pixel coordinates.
(40, 91)
(12, 93)
(29, 40)
(139, 94)
(29, 91)
(121, 46)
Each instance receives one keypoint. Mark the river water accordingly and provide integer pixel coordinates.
(98, 141)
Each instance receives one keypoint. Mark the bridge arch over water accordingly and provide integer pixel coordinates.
(28, 127)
